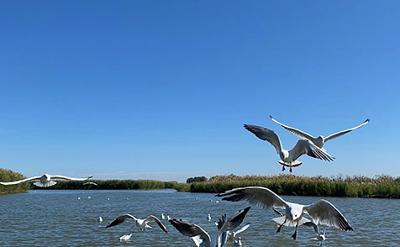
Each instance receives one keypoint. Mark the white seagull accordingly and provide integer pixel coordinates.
(90, 183)
(100, 219)
(125, 238)
(289, 157)
(201, 238)
(141, 223)
(45, 180)
(322, 212)
(320, 140)
(162, 216)
(209, 217)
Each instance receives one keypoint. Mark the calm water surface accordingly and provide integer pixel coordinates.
(58, 218)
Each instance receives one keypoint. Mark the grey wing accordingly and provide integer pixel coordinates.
(259, 196)
(151, 218)
(21, 181)
(325, 213)
(295, 131)
(309, 148)
(120, 219)
(340, 133)
(193, 231)
(60, 177)
(235, 220)
(266, 135)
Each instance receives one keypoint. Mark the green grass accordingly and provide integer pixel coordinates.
(8, 175)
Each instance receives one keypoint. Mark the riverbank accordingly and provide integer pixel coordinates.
(8, 175)
(377, 187)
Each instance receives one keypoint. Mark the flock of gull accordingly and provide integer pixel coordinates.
(290, 214)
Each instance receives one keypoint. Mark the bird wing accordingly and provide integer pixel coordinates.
(55, 177)
(295, 131)
(120, 219)
(198, 234)
(21, 181)
(244, 228)
(309, 148)
(266, 135)
(325, 213)
(340, 133)
(235, 220)
(152, 218)
(259, 196)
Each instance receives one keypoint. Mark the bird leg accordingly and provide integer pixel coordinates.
(294, 236)
(280, 226)
(283, 168)
(290, 170)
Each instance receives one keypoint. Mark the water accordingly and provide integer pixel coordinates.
(58, 218)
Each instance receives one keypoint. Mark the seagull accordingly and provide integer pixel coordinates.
(125, 238)
(141, 223)
(168, 218)
(90, 183)
(201, 238)
(320, 140)
(45, 180)
(162, 216)
(100, 219)
(322, 212)
(209, 217)
(289, 157)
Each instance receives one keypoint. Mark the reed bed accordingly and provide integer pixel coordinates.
(378, 187)
(8, 175)
(119, 185)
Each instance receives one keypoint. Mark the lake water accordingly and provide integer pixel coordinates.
(58, 218)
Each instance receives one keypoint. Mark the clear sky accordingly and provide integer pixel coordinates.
(161, 89)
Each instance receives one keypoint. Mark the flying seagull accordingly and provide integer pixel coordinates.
(90, 183)
(201, 238)
(45, 180)
(322, 212)
(320, 140)
(125, 238)
(289, 157)
(141, 223)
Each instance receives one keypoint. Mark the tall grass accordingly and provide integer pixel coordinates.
(119, 185)
(8, 175)
(380, 186)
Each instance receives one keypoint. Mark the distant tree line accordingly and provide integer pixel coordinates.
(196, 180)
(8, 175)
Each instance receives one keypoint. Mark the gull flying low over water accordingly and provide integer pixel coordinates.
(45, 180)
(90, 183)
(322, 212)
(201, 238)
(289, 157)
(125, 238)
(141, 223)
(320, 140)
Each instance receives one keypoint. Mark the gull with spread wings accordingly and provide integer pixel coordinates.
(289, 157)
(45, 180)
(320, 140)
(142, 224)
(321, 212)
(201, 238)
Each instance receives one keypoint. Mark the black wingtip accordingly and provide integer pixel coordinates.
(270, 116)
(367, 120)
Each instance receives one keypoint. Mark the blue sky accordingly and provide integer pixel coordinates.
(161, 89)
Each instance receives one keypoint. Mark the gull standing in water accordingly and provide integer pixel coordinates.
(289, 157)
(209, 217)
(320, 140)
(322, 212)
(45, 180)
(201, 238)
(141, 223)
